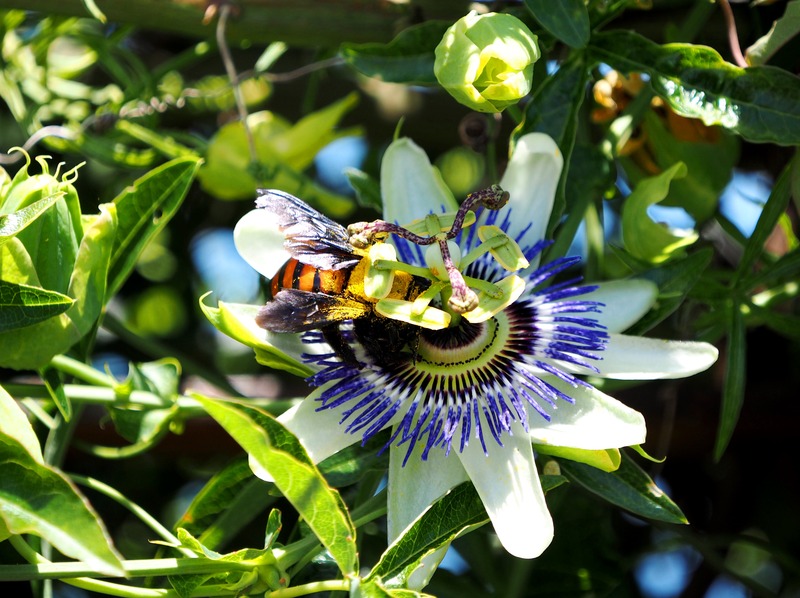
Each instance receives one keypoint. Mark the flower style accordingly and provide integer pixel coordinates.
(471, 400)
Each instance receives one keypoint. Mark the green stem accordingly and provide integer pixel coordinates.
(164, 144)
(143, 515)
(141, 398)
(333, 585)
(44, 569)
(158, 350)
(370, 509)
(82, 371)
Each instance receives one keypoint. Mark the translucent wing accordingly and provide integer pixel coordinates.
(311, 237)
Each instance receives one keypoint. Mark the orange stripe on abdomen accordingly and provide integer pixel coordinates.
(296, 275)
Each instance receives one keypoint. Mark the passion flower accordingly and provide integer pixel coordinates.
(471, 400)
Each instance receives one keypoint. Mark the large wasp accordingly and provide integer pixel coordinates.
(321, 286)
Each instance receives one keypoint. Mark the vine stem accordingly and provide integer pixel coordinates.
(733, 37)
(82, 371)
(134, 508)
(230, 69)
(75, 573)
(333, 585)
(105, 395)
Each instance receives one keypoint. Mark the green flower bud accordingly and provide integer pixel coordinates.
(486, 61)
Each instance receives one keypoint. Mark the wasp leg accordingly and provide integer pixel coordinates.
(334, 337)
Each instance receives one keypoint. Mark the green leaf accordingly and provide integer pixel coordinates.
(368, 190)
(709, 165)
(775, 207)
(22, 305)
(458, 510)
(597, 176)
(375, 589)
(15, 424)
(782, 30)
(88, 282)
(554, 110)
(143, 210)
(645, 239)
(34, 346)
(674, 279)
(734, 385)
(280, 453)
(784, 269)
(52, 240)
(55, 387)
(408, 58)
(759, 103)
(263, 572)
(12, 224)
(238, 320)
(628, 487)
(283, 151)
(145, 427)
(36, 499)
(603, 459)
(352, 463)
(228, 503)
(568, 20)
(783, 324)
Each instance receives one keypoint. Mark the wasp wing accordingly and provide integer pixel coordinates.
(311, 238)
(292, 310)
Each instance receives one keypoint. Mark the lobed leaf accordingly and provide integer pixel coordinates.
(37, 499)
(759, 103)
(279, 452)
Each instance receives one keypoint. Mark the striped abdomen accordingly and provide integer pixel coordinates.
(302, 277)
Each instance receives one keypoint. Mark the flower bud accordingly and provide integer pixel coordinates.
(486, 61)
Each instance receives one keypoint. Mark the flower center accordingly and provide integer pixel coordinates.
(460, 348)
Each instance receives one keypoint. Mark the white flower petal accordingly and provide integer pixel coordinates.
(639, 358)
(595, 421)
(626, 301)
(531, 179)
(509, 486)
(259, 241)
(410, 186)
(411, 491)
